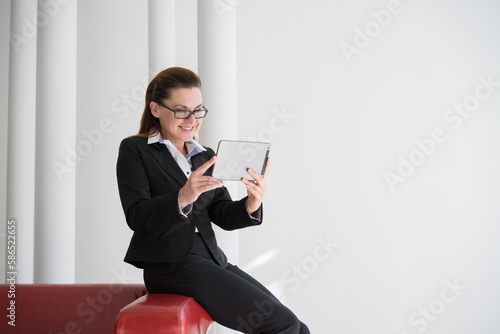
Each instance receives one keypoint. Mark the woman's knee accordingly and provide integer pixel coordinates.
(282, 320)
(269, 317)
(303, 329)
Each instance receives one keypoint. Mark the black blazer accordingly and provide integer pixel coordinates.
(149, 181)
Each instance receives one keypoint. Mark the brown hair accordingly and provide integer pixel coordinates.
(160, 88)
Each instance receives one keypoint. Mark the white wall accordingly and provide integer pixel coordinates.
(351, 121)
(342, 249)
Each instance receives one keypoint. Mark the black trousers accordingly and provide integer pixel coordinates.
(232, 297)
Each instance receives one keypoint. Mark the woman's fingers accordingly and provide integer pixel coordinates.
(208, 181)
(203, 168)
(254, 187)
(198, 183)
(255, 196)
(260, 181)
(259, 178)
(195, 187)
(201, 182)
(255, 175)
(256, 190)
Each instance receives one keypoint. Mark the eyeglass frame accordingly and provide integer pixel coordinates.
(189, 111)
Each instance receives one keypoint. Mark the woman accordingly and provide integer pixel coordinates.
(170, 201)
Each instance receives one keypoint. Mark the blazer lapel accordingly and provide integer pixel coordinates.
(167, 162)
(197, 160)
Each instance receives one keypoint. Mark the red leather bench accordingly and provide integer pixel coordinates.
(97, 309)
(161, 314)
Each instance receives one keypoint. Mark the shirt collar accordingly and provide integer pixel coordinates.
(192, 146)
(155, 139)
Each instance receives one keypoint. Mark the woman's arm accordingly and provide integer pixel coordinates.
(231, 215)
(142, 211)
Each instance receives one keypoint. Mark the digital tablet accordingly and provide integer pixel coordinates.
(234, 157)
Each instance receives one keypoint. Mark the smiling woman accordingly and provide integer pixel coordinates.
(179, 126)
(170, 201)
(160, 90)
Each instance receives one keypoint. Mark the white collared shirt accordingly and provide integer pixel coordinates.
(184, 162)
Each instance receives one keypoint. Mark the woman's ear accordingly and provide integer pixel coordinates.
(153, 106)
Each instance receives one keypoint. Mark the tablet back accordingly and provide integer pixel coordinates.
(234, 157)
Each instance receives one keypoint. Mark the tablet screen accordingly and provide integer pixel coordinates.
(234, 157)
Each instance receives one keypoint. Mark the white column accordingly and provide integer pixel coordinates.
(217, 70)
(4, 126)
(56, 130)
(161, 15)
(21, 137)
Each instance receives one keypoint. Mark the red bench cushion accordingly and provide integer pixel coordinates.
(163, 313)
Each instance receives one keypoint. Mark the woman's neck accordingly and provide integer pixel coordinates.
(179, 145)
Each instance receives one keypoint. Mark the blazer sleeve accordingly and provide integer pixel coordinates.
(143, 212)
(231, 215)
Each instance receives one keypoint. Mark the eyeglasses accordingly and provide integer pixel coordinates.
(183, 114)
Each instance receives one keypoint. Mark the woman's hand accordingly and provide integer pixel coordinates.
(197, 184)
(256, 190)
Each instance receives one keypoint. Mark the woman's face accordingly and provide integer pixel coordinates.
(179, 131)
